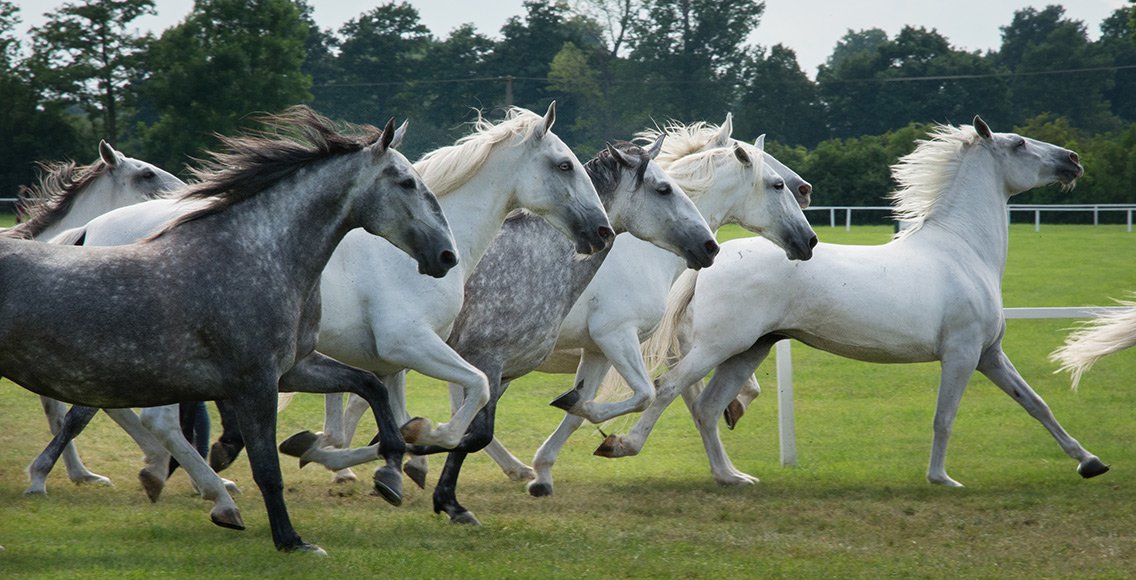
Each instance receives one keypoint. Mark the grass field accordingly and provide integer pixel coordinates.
(857, 505)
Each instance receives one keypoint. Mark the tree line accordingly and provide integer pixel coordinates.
(613, 66)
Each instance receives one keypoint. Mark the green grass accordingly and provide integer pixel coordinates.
(857, 505)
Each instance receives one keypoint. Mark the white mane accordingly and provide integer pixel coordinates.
(925, 173)
(685, 156)
(446, 168)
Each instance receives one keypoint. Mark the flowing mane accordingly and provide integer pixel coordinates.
(698, 170)
(45, 203)
(260, 158)
(446, 168)
(682, 140)
(925, 173)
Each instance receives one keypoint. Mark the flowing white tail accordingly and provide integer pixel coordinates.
(1095, 339)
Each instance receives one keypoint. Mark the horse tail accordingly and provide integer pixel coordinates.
(662, 348)
(71, 237)
(1104, 335)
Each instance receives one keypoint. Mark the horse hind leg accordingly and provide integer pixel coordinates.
(590, 372)
(338, 432)
(76, 471)
(163, 424)
(998, 368)
(65, 430)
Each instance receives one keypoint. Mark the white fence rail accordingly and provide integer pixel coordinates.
(785, 417)
(1036, 210)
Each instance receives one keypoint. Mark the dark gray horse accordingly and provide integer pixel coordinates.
(224, 303)
(527, 282)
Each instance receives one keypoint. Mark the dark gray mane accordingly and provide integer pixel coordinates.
(43, 204)
(604, 169)
(257, 159)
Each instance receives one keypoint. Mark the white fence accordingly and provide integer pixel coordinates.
(785, 417)
(1036, 210)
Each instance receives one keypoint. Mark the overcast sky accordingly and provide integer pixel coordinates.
(810, 27)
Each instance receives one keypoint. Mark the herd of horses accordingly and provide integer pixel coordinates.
(312, 256)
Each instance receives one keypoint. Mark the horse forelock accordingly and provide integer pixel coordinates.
(924, 174)
(606, 172)
(447, 168)
(698, 170)
(259, 158)
(46, 202)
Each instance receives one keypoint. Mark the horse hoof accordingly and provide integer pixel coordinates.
(35, 491)
(227, 518)
(733, 413)
(93, 479)
(388, 484)
(1092, 467)
(344, 476)
(221, 456)
(414, 429)
(519, 475)
(566, 401)
(299, 444)
(612, 447)
(465, 517)
(151, 484)
(306, 548)
(540, 489)
(416, 474)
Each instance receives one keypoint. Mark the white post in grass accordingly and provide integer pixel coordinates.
(786, 423)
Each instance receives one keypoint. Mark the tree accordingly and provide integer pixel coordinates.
(1118, 42)
(855, 42)
(86, 55)
(1040, 47)
(33, 129)
(691, 54)
(779, 100)
(227, 59)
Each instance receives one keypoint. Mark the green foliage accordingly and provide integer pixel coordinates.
(227, 59)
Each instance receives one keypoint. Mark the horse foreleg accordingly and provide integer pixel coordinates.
(76, 471)
(590, 373)
(255, 410)
(339, 434)
(513, 468)
(955, 373)
(621, 350)
(65, 430)
(163, 423)
(229, 445)
(318, 373)
(998, 368)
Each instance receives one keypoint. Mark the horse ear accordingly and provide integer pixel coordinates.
(549, 117)
(657, 146)
(982, 128)
(399, 135)
(386, 138)
(723, 138)
(620, 156)
(742, 156)
(107, 153)
(760, 142)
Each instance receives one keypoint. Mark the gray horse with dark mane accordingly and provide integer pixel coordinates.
(223, 304)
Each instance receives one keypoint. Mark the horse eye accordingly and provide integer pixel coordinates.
(407, 183)
(565, 166)
(664, 189)
(1021, 144)
(779, 185)
(148, 174)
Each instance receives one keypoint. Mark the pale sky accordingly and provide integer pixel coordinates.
(810, 27)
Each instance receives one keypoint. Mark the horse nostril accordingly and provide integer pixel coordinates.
(711, 247)
(813, 242)
(805, 189)
(1073, 157)
(605, 233)
(449, 259)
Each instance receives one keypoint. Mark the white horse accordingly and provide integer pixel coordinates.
(69, 196)
(1102, 336)
(933, 293)
(377, 313)
(626, 299)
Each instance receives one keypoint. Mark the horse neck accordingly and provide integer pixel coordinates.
(291, 228)
(715, 206)
(971, 212)
(87, 204)
(477, 208)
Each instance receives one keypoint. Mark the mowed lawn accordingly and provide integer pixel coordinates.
(857, 505)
